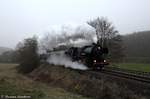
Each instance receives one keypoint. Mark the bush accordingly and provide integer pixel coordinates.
(28, 57)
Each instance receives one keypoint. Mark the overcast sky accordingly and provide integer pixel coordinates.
(24, 18)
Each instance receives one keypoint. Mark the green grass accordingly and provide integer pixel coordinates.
(134, 66)
(12, 83)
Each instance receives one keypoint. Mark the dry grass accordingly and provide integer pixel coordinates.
(12, 83)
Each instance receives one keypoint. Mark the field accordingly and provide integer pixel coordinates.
(134, 66)
(12, 83)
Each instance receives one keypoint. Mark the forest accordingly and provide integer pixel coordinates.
(137, 47)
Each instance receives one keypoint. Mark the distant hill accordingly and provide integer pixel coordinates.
(3, 49)
(138, 44)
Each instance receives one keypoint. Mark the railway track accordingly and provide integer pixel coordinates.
(146, 74)
(140, 77)
(127, 75)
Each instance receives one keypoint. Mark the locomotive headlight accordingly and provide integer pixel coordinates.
(99, 48)
(94, 61)
(104, 60)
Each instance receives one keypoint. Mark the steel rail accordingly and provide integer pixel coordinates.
(121, 74)
(127, 75)
(115, 67)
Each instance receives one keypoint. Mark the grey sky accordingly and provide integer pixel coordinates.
(23, 18)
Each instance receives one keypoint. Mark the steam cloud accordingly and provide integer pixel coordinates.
(76, 37)
(61, 59)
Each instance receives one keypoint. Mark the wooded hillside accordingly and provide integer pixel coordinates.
(137, 46)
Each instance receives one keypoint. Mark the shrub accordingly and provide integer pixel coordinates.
(28, 57)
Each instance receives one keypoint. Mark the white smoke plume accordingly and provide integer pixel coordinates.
(61, 59)
(77, 37)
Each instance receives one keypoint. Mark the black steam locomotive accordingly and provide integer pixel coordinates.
(93, 56)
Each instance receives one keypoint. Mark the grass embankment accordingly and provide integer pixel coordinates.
(12, 83)
(134, 66)
(105, 87)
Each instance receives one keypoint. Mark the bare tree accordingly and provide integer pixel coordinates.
(104, 30)
(108, 37)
